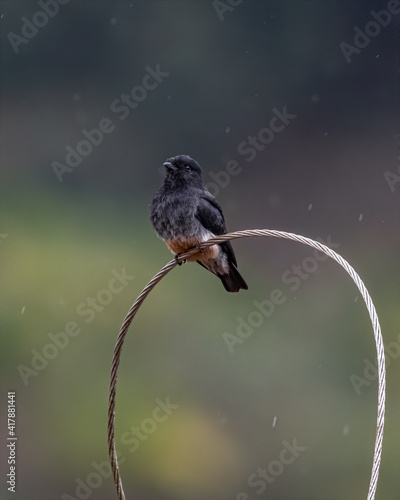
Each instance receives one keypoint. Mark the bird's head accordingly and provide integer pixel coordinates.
(183, 170)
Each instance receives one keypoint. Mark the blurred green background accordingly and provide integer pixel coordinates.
(226, 414)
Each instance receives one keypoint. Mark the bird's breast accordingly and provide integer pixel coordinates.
(182, 244)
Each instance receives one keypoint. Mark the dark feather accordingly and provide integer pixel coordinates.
(209, 214)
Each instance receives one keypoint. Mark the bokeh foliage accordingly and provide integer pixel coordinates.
(323, 175)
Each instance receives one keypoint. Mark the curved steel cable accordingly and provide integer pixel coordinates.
(245, 234)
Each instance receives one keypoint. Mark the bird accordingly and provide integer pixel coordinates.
(184, 214)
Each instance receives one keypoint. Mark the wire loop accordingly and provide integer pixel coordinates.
(220, 239)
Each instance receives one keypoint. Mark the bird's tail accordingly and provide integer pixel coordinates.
(233, 281)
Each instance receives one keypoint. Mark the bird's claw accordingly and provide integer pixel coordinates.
(179, 262)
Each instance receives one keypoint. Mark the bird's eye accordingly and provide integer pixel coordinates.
(188, 168)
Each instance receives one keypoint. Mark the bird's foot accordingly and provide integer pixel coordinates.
(179, 262)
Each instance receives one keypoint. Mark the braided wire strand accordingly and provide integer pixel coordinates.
(227, 237)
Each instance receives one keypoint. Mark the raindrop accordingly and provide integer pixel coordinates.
(274, 200)
(315, 98)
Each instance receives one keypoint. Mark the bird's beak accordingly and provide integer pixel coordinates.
(170, 168)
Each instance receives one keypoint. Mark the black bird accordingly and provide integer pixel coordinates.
(184, 214)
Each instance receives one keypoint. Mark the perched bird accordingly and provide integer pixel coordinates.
(184, 214)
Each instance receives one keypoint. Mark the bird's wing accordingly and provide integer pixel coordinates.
(209, 214)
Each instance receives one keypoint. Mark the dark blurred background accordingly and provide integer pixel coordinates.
(302, 376)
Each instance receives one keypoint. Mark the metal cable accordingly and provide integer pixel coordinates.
(220, 239)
